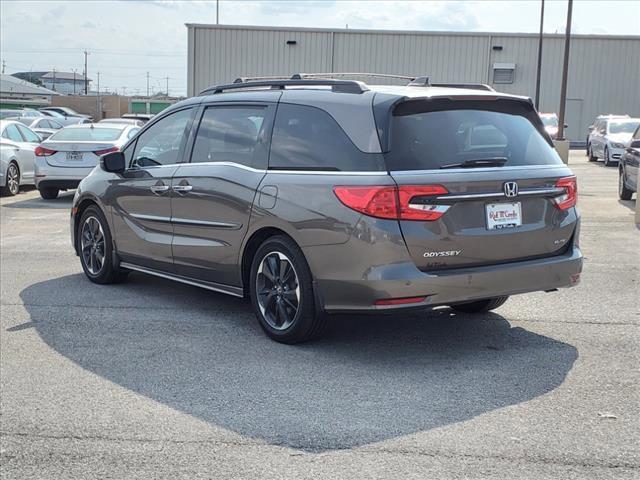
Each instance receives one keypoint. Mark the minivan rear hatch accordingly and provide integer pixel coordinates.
(479, 182)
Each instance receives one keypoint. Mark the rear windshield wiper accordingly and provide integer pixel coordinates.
(479, 162)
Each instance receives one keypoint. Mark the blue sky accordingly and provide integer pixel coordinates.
(127, 38)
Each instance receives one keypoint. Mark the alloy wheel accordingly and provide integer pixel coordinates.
(92, 245)
(13, 179)
(278, 290)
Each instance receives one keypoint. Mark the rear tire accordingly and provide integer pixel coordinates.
(281, 289)
(12, 179)
(96, 248)
(623, 192)
(607, 160)
(592, 157)
(49, 193)
(480, 306)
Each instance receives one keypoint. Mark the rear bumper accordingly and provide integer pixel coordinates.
(453, 286)
(47, 176)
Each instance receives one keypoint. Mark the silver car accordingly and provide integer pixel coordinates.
(17, 155)
(43, 126)
(70, 154)
(320, 196)
(609, 138)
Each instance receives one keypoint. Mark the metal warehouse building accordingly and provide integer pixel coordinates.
(604, 71)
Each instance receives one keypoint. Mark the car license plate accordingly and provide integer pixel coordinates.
(74, 155)
(503, 215)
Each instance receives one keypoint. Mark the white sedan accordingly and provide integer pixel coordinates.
(70, 154)
(17, 155)
(610, 138)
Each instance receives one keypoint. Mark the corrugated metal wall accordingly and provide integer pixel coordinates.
(604, 73)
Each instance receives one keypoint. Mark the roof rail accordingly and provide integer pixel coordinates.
(280, 83)
(353, 74)
(470, 86)
(419, 82)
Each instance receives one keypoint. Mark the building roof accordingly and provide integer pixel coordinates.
(65, 76)
(11, 84)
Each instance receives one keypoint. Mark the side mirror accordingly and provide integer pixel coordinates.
(113, 162)
(566, 126)
(635, 144)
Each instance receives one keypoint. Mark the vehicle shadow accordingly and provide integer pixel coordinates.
(370, 378)
(63, 201)
(630, 204)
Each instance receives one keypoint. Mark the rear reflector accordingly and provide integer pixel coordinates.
(391, 202)
(570, 196)
(44, 152)
(106, 150)
(400, 301)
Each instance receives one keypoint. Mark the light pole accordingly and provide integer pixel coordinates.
(537, 97)
(74, 70)
(565, 72)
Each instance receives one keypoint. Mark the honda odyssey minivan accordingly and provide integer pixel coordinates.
(314, 196)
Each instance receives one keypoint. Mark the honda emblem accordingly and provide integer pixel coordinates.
(510, 189)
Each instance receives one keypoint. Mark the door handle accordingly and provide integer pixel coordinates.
(182, 188)
(159, 189)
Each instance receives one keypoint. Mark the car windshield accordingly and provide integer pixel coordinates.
(549, 121)
(86, 135)
(624, 127)
(466, 137)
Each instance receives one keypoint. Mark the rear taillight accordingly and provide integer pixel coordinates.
(106, 150)
(406, 202)
(43, 152)
(570, 196)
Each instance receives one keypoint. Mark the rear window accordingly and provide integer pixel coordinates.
(439, 137)
(308, 138)
(87, 135)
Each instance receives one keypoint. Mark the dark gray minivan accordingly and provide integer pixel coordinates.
(315, 196)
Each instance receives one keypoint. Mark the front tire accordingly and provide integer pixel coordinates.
(480, 306)
(592, 157)
(623, 192)
(49, 193)
(12, 185)
(96, 248)
(281, 289)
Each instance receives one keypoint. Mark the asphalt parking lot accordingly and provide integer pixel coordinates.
(152, 379)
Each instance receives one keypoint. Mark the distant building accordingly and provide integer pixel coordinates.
(20, 93)
(67, 83)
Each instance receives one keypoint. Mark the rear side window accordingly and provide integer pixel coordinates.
(29, 135)
(434, 139)
(230, 134)
(308, 138)
(12, 133)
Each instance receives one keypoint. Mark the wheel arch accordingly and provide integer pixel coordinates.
(251, 246)
(79, 210)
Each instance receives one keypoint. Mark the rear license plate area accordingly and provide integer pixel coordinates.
(503, 215)
(74, 155)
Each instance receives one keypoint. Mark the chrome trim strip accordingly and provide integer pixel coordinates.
(327, 172)
(205, 223)
(521, 193)
(223, 164)
(151, 218)
(234, 291)
(480, 169)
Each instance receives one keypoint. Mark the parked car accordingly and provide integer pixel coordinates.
(68, 155)
(123, 121)
(628, 168)
(43, 126)
(66, 121)
(66, 112)
(591, 128)
(143, 117)
(610, 137)
(9, 112)
(17, 146)
(334, 196)
(550, 121)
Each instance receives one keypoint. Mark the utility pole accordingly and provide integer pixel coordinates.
(54, 79)
(74, 70)
(4, 64)
(86, 74)
(565, 72)
(217, 11)
(537, 97)
(147, 84)
(167, 79)
(98, 99)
